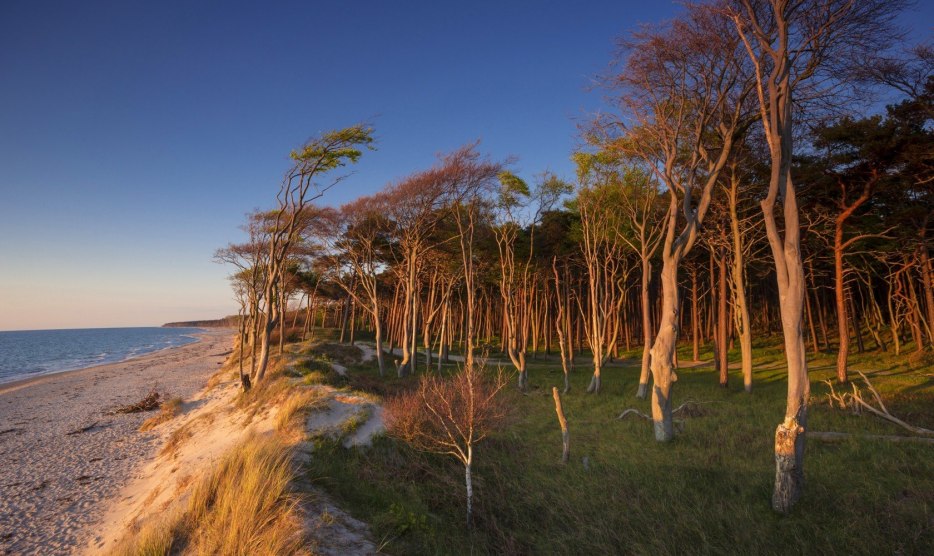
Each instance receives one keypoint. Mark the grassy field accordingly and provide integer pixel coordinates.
(708, 492)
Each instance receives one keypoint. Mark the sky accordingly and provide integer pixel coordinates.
(135, 136)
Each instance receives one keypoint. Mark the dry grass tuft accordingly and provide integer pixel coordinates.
(299, 404)
(167, 411)
(243, 506)
(156, 538)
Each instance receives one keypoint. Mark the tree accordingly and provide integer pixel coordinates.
(606, 265)
(449, 416)
(792, 45)
(300, 187)
(684, 94)
(357, 238)
(519, 209)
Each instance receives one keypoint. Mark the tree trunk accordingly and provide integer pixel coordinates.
(646, 329)
(662, 363)
(722, 317)
(265, 334)
(563, 423)
(926, 271)
(695, 315)
(378, 339)
(739, 286)
(469, 480)
(790, 434)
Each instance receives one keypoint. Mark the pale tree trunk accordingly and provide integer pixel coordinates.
(662, 364)
(722, 348)
(695, 314)
(469, 481)
(926, 271)
(646, 329)
(561, 324)
(244, 378)
(813, 331)
(353, 321)
(265, 333)
(408, 317)
(378, 338)
(739, 287)
(790, 434)
(563, 423)
(774, 92)
(442, 334)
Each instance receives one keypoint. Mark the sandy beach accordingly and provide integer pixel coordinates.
(63, 458)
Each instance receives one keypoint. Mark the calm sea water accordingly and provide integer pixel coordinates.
(28, 353)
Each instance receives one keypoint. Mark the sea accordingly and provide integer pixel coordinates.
(29, 353)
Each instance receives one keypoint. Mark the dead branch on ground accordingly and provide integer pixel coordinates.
(855, 402)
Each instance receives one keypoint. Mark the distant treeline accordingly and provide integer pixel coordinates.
(226, 322)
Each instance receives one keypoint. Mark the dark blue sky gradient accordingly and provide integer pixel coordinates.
(135, 135)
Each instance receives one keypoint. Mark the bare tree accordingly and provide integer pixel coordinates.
(357, 239)
(415, 206)
(518, 209)
(792, 45)
(449, 416)
(684, 94)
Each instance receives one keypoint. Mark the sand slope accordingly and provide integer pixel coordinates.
(63, 458)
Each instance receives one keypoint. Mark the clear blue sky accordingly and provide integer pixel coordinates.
(135, 135)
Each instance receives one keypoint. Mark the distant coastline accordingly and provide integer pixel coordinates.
(226, 322)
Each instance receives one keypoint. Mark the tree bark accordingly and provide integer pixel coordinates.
(722, 348)
(469, 480)
(562, 421)
(662, 364)
(646, 329)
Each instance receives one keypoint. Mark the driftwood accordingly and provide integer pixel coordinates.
(842, 436)
(856, 403)
(151, 402)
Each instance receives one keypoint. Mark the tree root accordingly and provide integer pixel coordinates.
(690, 409)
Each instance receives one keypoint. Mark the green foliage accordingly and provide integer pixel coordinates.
(512, 187)
(335, 149)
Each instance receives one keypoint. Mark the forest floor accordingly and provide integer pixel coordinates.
(707, 492)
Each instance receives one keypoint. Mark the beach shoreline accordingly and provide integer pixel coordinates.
(64, 456)
(16, 383)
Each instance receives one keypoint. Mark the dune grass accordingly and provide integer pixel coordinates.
(708, 492)
(299, 404)
(243, 506)
(168, 410)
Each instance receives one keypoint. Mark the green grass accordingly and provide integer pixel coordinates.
(708, 492)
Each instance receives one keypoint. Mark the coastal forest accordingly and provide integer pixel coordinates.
(717, 336)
